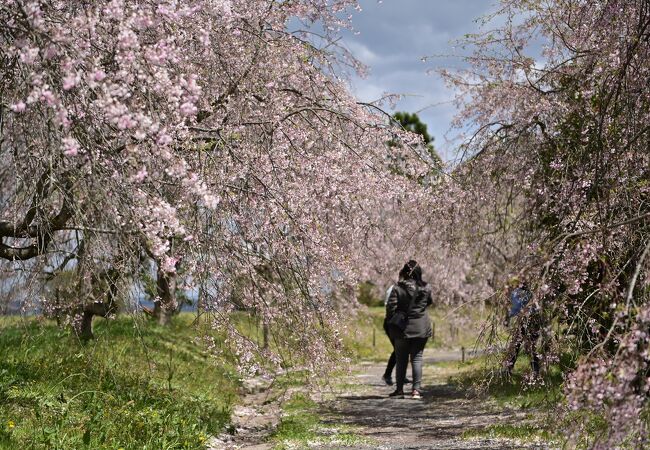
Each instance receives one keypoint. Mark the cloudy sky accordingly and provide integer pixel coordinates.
(393, 36)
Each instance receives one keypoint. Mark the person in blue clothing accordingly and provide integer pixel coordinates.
(526, 329)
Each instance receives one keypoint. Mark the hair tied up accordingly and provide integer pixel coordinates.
(412, 271)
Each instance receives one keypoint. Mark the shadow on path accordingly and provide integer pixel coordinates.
(438, 420)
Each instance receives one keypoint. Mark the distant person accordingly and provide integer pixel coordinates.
(409, 325)
(387, 377)
(526, 329)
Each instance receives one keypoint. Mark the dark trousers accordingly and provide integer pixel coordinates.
(409, 348)
(388, 373)
(527, 333)
(391, 363)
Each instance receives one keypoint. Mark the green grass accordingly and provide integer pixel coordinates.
(359, 341)
(301, 427)
(540, 399)
(514, 391)
(521, 432)
(366, 339)
(136, 386)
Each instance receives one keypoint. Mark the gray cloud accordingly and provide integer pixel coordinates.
(393, 36)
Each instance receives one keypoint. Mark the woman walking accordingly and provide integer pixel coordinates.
(387, 377)
(409, 325)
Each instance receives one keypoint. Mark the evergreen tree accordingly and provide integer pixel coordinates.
(412, 122)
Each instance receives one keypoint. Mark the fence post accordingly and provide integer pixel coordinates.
(373, 335)
(265, 335)
(462, 350)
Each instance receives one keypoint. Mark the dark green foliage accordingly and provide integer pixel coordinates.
(368, 295)
(411, 122)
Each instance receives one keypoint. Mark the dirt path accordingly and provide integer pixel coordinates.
(435, 422)
(360, 401)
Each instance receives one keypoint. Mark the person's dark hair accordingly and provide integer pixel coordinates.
(412, 271)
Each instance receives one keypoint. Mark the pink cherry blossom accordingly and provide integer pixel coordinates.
(18, 107)
(70, 146)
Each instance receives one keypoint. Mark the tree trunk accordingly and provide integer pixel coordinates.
(102, 308)
(161, 314)
(166, 305)
(57, 307)
(84, 329)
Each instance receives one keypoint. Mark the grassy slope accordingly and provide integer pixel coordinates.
(136, 386)
(140, 386)
(539, 400)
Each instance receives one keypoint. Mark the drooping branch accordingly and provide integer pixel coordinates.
(42, 231)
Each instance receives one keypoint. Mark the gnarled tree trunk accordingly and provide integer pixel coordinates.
(165, 305)
(103, 308)
(84, 329)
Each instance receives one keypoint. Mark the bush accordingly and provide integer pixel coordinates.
(368, 294)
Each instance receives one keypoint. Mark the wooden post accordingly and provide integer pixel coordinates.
(265, 335)
(452, 332)
(373, 336)
(462, 350)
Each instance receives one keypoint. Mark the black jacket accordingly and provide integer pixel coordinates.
(413, 300)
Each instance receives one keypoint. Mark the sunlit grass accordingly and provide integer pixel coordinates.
(302, 427)
(136, 386)
(366, 339)
(520, 432)
(480, 377)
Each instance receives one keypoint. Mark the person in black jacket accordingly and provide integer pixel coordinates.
(387, 377)
(409, 324)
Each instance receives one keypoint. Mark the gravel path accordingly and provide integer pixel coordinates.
(437, 421)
